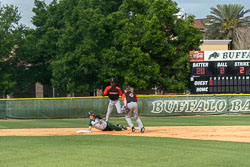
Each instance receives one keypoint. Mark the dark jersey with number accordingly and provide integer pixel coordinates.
(113, 93)
(130, 96)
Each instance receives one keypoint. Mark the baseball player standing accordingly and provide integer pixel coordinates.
(129, 99)
(113, 92)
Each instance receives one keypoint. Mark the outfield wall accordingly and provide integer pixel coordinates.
(164, 105)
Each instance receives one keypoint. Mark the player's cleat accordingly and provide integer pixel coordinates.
(133, 129)
(142, 130)
(124, 127)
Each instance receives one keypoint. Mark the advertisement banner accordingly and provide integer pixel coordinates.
(187, 106)
(220, 55)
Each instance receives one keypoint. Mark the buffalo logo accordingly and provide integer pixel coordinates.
(214, 55)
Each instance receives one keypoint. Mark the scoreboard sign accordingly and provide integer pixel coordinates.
(214, 72)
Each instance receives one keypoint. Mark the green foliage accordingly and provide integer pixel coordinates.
(78, 45)
(152, 44)
(11, 34)
(225, 19)
(37, 49)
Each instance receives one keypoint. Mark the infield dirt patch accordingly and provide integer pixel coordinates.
(219, 133)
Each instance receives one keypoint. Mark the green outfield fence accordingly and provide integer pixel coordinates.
(156, 105)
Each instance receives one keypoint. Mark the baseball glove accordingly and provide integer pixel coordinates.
(125, 109)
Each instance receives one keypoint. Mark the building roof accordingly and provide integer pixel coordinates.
(199, 23)
(216, 41)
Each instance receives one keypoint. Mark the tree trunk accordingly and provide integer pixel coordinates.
(241, 38)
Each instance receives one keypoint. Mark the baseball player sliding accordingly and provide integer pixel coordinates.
(113, 92)
(129, 99)
(98, 123)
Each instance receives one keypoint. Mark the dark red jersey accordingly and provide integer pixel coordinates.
(130, 96)
(113, 93)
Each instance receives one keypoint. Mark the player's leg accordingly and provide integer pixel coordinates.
(118, 106)
(114, 127)
(136, 116)
(128, 119)
(109, 110)
(122, 126)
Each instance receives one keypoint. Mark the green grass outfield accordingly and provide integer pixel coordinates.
(119, 151)
(148, 121)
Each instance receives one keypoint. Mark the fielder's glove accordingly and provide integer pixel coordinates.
(125, 109)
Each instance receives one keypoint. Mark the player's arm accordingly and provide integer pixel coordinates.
(119, 91)
(90, 128)
(105, 92)
(124, 100)
(90, 125)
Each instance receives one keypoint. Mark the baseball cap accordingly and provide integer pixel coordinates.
(90, 113)
(112, 80)
(126, 87)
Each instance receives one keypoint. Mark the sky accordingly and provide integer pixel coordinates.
(198, 8)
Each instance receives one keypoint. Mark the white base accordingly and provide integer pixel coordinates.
(83, 131)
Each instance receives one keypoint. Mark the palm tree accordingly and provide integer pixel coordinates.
(225, 19)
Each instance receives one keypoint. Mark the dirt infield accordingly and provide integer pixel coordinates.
(219, 133)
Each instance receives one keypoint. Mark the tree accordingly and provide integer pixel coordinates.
(84, 34)
(141, 42)
(37, 49)
(225, 19)
(126, 59)
(151, 45)
(11, 34)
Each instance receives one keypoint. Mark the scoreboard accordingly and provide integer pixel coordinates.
(214, 72)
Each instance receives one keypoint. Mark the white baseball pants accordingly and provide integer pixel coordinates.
(111, 105)
(133, 106)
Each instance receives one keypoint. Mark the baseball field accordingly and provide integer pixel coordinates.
(168, 141)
